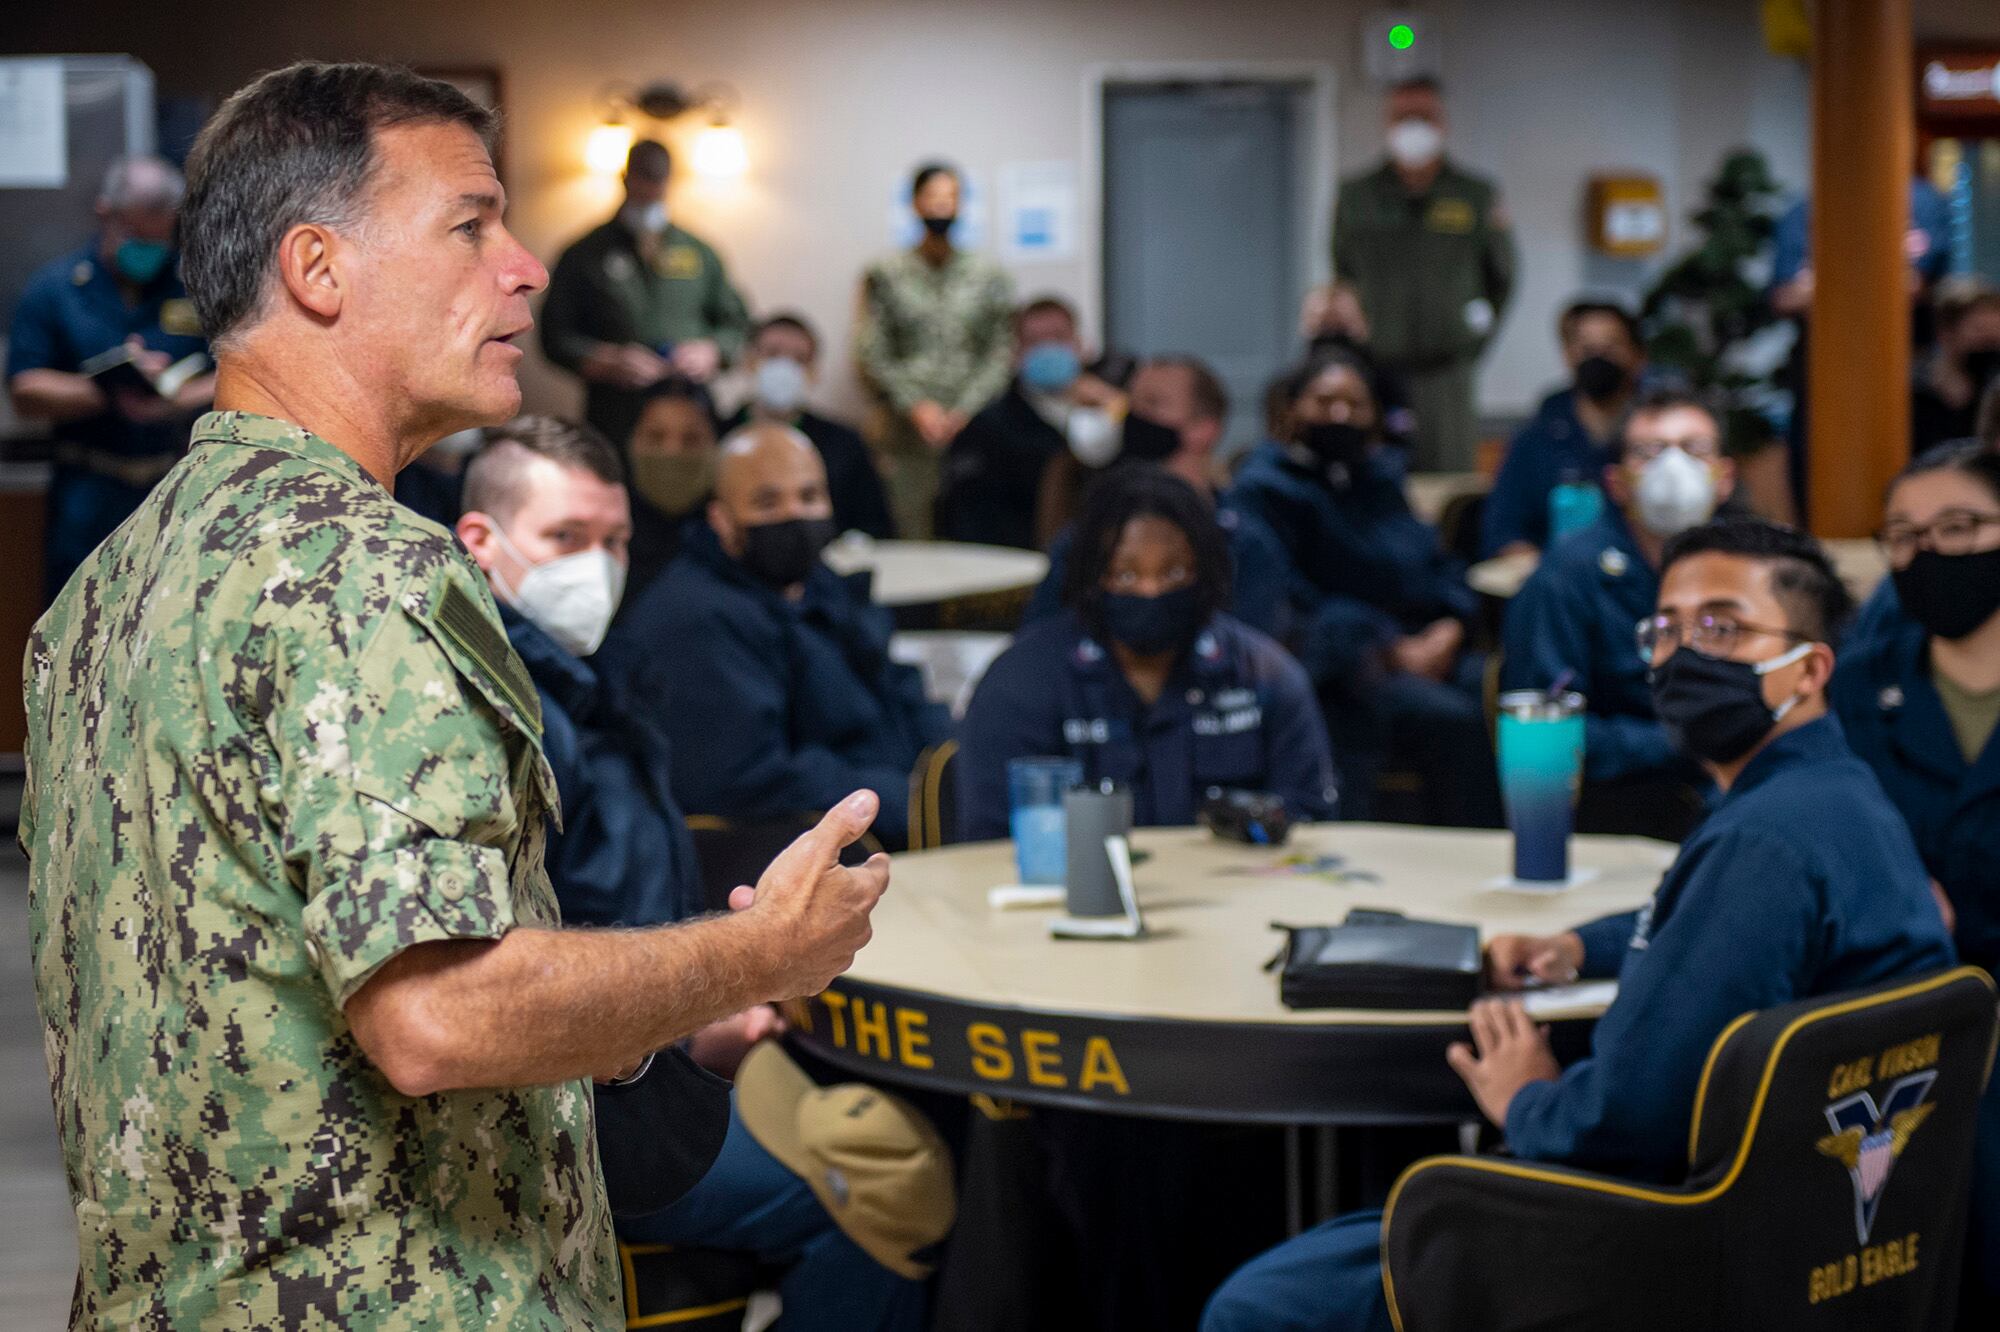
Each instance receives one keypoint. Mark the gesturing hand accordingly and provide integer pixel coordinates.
(1513, 1052)
(812, 909)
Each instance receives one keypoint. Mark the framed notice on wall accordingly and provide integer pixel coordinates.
(482, 84)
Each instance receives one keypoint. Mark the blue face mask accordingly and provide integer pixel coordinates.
(1050, 367)
(140, 261)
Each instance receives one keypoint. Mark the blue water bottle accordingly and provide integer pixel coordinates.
(1573, 504)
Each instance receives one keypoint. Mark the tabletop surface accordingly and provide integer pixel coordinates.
(1209, 914)
(910, 573)
(1858, 560)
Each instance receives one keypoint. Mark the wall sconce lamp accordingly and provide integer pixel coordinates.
(719, 151)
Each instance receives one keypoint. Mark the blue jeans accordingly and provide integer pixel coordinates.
(1327, 1280)
(748, 1201)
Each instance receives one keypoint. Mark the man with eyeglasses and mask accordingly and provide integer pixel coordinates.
(1573, 620)
(1920, 703)
(770, 672)
(1574, 432)
(123, 288)
(1802, 882)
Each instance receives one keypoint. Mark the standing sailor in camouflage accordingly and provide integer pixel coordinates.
(936, 344)
(1428, 247)
(638, 299)
(318, 1047)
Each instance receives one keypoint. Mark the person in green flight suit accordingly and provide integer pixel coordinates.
(936, 344)
(638, 299)
(1428, 246)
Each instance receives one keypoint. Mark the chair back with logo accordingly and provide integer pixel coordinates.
(1831, 1154)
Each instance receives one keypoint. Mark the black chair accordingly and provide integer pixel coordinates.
(1830, 1160)
(690, 1290)
(934, 797)
(737, 851)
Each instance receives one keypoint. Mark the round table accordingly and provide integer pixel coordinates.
(915, 573)
(953, 995)
(1858, 560)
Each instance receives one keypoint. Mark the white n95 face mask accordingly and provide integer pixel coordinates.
(571, 598)
(1414, 142)
(1675, 492)
(1093, 436)
(781, 385)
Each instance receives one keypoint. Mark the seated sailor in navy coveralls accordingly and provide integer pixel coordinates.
(549, 521)
(1919, 700)
(1143, 677)
(1803, 881)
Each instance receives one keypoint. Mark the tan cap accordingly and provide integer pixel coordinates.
(872, 1159)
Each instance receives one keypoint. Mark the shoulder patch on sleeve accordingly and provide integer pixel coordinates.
(456, 617)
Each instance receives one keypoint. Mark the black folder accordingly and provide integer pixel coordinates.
(1380, 959)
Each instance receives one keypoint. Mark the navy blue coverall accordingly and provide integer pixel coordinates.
(1884, 695)
(774, 707)
(1365, 571)
(1802, 882)
(71, 310)
(1237, 712)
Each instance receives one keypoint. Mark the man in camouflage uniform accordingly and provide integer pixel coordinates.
(1428, 247)
(936, 344)
(640, 298)
(317, 1045)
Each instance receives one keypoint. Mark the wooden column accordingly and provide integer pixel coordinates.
(1862, 153)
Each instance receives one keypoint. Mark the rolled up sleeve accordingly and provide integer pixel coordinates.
(397, 781)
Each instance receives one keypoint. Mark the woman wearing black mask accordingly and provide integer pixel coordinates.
(1919, 703)
(1144, 677)
(1382, 607)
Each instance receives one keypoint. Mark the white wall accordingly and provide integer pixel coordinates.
(840, 97)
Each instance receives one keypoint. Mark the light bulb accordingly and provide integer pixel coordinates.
(606, 149)
(719, 151)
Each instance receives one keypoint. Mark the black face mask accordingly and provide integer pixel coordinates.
(1950, 595)
(783, 553)
(1150, 625)
(1600, 378)
(1714, 708)
(1148, 440)
(940, 227)
(1981, 364)
(1336, 442)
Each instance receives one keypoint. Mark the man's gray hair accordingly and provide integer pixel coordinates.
(142, 181)
(295, 146)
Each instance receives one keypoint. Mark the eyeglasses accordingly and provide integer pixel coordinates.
(1953, 532)
(1702, 448)
(1710, 635)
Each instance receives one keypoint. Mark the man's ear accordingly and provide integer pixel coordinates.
(475, 532)
(1725, 479)
(1616, 488)
(724, 527)
(309, 268)
(1819, 664)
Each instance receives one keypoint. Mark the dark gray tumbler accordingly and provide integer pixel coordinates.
(1091, 816)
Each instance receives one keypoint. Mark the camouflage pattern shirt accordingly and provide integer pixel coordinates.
(942, 333)
(276, 737)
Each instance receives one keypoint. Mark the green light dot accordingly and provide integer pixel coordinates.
(1401, 37)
